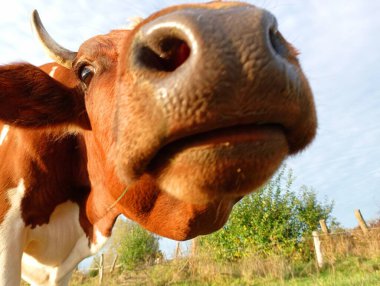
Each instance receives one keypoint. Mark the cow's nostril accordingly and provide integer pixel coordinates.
(167, 54)
(277, 42)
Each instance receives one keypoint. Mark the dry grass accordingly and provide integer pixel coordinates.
(351, 258)
(351, 244)
(351, 271)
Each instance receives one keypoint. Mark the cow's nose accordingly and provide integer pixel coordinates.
(206, 37)
(203, 66)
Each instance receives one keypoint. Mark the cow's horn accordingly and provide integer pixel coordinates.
(55, 51)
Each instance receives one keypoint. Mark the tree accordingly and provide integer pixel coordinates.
(273, 220)
(135, 246)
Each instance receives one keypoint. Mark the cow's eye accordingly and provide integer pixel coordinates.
(86, 72)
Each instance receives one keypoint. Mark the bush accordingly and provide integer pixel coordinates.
(93, 272)
(135, 246)
(272, 221)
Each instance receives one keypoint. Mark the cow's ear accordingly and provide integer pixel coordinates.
(31, 98)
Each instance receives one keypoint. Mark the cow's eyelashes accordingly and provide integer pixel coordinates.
(86, 73)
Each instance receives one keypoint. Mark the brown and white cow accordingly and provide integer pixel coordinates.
(169, 123)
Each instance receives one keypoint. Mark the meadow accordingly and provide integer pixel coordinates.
(351, 258)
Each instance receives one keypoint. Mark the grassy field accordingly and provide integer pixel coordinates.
(348, 271)
(275, 271)
(350, 259)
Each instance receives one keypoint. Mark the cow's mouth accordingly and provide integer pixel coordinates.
(256, 136)
(224, 162)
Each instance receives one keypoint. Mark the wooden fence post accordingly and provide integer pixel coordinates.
(101, 268)
(324, 227)
(178, 251)
(114, 263)
(194, 246)
(317, 246)
(361, 221)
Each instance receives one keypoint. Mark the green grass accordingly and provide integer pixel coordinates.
(349, 271)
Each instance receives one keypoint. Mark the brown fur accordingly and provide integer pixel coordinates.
(89, 143)
(44, 102)
(4, 201)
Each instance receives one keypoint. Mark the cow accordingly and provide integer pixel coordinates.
(169, 123)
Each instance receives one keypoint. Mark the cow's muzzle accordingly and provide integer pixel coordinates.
(219, 98)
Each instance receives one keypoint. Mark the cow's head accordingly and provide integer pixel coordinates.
(194, 108)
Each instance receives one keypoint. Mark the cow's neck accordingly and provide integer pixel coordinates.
(105, 186)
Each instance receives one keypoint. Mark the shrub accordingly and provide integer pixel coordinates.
(135, 246)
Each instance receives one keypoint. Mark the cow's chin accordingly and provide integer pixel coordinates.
(203, 171)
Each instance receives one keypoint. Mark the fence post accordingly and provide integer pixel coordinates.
(317, 246)
(101, 268)
(114, 263)
(178, 251)
(361, 221)
(194, 247)
(324, 227)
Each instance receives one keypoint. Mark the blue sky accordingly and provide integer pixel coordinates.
(339, 43)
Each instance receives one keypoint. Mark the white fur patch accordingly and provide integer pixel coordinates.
(53, 70)
(53, 250)
(48, 246)
(100, 241)
(52, 242)
(12, 238)
(3, 134)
